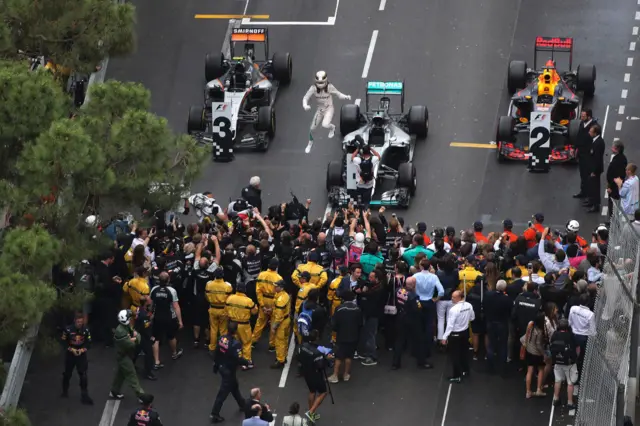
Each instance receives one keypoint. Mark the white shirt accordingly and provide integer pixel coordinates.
(594, 139)
(357, 161)
(458, 319)
(535, 278)
(586, 123)
(432, 247)
(324, 98)
(136, 242)
(582, 321)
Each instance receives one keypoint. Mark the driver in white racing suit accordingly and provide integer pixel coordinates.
(323, 91)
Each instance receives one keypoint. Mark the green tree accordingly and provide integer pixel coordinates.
(74, 34)
(29, 103)
(14, 417)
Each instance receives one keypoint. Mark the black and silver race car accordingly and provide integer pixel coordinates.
(244, 88)
(546, 103)
(391, 134)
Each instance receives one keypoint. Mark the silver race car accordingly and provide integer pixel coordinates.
(391, 134)
(243, 88)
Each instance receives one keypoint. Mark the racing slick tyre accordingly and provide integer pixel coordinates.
(586, 76)
(266, 120)
(349, 118)
(195, 123)
(213, 66)
(282, 67)
(505, 129)
(517, 76)
(407, 177)
(419, 121)
(334, 174)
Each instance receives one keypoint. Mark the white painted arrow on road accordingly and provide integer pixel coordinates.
(633, 118)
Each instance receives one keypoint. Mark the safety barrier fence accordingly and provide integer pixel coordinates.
(24, 349)
(610, 355)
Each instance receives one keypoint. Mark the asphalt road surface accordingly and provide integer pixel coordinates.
(453, 57)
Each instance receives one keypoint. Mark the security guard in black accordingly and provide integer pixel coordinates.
(77, 339)
(228, 357)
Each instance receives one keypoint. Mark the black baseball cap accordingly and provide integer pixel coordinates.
(274, 263)
(306, 275)
(422, 227)
(146, 399)
(478, 226)
(471, 258)
(507, 223)
(539, 217)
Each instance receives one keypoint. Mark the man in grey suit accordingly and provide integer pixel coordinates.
(256, 410)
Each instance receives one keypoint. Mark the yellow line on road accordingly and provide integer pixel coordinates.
(200, 16)
(473, 145)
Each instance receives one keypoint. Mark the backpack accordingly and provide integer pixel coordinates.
(305, 320)
(354, 254)
(366, 170)
(562, 351)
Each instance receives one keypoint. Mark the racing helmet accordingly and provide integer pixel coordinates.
(573, 226)
(124, 316)
(321, 80)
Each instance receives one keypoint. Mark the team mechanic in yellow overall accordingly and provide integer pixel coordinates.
(266, 293)
(217, 292)
(137, 288)
(240, 308)
(281, 324)
(332, 295)
(304, 279)
(318, 276)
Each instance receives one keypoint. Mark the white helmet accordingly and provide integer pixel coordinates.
(321, 80)
(124, 316)
(573, 226)
(91, 220)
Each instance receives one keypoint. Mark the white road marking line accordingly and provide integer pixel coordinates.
(621, 109)
(604, 126)
(446, 405)
(109, 412)
(357, 102)
(383, 3)
(329, 22)
(632, 45)
(372, 46)
(273, 422)
(624, 93)
(509, 109)
(627, 77)
(634, 31)
(328, 209)
(616, 139)
(287, 365)
(629, 62)
(332, 19)
(246, 7)
(618, 126)
(553, 409)
(637, 16)
(605, 211)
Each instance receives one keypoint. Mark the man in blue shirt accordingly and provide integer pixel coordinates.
(416, 247)
(427, 283)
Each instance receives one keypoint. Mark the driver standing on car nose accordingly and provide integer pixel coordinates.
(365, 159)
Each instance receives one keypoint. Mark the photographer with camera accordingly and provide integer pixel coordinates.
(366, 160)
(314, 359)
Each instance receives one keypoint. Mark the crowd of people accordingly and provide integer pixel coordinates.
(347, 285)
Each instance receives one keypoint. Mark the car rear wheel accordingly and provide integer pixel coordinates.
(282, 67)
(586, 79)
(407, 177)
(574, 131)
(195, 122)
(349, 118)
(419, 121)
(517, 76)
(213, 66)
(505, 129)
(266, 120)
(334, 174)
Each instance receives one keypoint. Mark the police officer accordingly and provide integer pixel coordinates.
(266, 292)
(313, 363)
(217, 291)
(281, 324)
(78, 340)
(456, 335)
(145, 416)
(409, 324)
(227, 358)
(240, 308)
(143, 323)
(126, 341)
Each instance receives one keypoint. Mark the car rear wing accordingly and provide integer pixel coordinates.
(385, 88)
(247, 37)
(558, 49)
